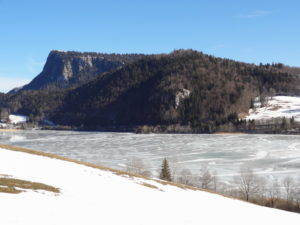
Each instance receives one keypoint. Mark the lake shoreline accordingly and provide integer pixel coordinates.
(9, 130)
(124, 130)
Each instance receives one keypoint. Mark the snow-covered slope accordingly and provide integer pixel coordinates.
(277, 107)
(93, 196)
(15, 119)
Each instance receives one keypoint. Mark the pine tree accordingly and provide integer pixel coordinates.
(252, 104)
(292, 122)
(284, 125)
(165, 173)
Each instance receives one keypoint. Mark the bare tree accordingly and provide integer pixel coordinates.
(205, 178)
(215, 181)
(296, 196)
(185, 177)
(272, 93)
(288, 185)
(247, 182)
(137, 166)
(261, 188)
(263, 99)
(273, 192)
(174, 167)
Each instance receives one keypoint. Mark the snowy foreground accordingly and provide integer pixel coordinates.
(93, 196)
(277, 107)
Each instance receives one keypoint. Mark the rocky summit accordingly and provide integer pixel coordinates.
(65, 69)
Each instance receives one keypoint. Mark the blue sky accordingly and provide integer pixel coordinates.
(250, 31)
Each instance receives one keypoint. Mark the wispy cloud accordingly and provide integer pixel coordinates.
(8, 83)
(254, 14)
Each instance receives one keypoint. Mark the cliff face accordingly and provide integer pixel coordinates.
(67, 69)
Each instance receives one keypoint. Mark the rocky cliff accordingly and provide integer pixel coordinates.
(67, 69)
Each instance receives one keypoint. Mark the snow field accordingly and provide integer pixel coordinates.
(93, 196)
(277, 107)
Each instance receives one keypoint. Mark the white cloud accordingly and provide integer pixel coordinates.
(254, 14)
(8, 83)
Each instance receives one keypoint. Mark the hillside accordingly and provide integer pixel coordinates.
(37, 104)
(184, 88)
(184, 91)
(67, 69)
(277, 107)
(104, 196)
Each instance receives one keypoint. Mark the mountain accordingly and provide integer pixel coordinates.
(184, 91)
(185, 88)
(15, 90)
(39, 188)
(69, 69)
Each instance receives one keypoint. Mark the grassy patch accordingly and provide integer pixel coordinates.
(149, 185)
(15, 186)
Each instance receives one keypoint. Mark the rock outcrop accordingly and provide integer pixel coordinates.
(67, 69)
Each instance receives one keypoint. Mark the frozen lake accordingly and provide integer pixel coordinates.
(269, 155)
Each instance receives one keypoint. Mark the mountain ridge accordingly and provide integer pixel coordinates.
(64, 69)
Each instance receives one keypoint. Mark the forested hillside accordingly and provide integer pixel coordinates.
(37, 104)
(184, 88)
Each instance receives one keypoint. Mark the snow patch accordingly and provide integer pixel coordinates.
(16, 119)
(3, 125)
(277, 107)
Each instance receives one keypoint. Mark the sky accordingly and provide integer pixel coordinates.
(251, 31)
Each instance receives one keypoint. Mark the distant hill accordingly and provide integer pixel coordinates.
(69, 69)
(187, 90)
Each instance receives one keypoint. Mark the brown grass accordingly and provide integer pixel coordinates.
(9, 190)
(15, 186)
(8, 130)
(149, 185)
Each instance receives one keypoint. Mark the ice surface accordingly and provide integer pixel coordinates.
(271, 155)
